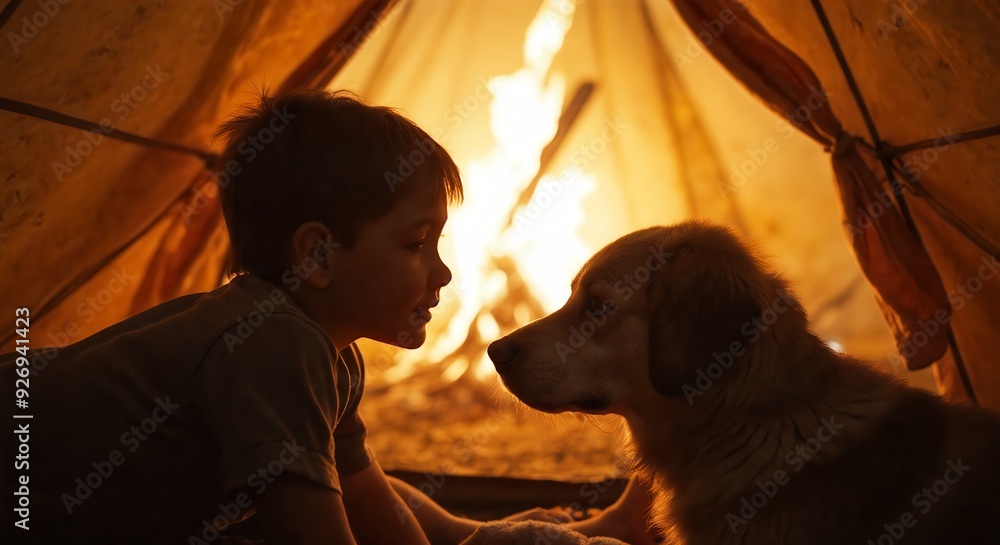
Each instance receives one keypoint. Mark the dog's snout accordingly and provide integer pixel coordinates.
(503, 351)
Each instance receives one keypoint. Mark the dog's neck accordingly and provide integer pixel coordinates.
(743, 432)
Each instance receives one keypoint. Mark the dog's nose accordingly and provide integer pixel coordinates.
(503, 351)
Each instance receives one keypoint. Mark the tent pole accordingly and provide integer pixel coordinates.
(332, 54)
(886, 161)
(52, 116)
(8, 11)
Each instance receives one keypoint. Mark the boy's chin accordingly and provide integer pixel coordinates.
(411, 338)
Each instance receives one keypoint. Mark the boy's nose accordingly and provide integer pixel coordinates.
(503, 351)
(442, 278)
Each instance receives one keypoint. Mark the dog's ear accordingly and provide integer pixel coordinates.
(699, 312)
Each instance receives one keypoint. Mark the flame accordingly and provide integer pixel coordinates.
(544, 248)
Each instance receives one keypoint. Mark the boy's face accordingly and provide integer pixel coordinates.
(387, 282)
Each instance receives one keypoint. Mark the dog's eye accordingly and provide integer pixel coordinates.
(598, 305)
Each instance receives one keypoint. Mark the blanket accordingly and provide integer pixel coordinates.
(532, 532)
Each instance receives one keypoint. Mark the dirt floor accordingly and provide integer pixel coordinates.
(472, 430)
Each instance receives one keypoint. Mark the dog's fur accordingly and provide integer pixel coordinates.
(790, 443)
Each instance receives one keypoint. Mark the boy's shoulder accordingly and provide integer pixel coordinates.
(249, 309)
(185, 328)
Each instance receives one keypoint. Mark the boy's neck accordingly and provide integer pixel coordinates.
(316, 310)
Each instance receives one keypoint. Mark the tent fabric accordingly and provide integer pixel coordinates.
(128, 227)
(924, 71)
(84, 217)
(906, 283)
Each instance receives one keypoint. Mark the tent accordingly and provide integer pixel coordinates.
(730, 110)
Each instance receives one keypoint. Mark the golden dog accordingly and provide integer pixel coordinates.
(747, 426)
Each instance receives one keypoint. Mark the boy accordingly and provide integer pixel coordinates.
(195, 414)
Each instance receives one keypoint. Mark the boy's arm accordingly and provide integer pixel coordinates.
(440, 526)
(295, 510)
(376, 512)
(298, 511)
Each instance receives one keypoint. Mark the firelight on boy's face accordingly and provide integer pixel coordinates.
(390, 278)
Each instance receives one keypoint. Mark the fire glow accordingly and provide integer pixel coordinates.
(511, 259)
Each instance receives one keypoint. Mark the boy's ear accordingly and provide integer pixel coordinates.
(312, 248)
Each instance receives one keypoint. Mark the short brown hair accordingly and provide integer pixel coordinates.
(318, 155)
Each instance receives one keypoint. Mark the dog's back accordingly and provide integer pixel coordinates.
(922, 470)
(926, 474)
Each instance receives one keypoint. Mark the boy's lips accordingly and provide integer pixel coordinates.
(422, 314)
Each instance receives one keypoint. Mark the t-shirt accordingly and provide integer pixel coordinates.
(169, 424)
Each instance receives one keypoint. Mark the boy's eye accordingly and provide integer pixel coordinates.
(416, 246)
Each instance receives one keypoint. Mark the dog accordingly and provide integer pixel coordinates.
(749, 428)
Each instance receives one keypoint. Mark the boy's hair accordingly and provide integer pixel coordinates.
(318, 155)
